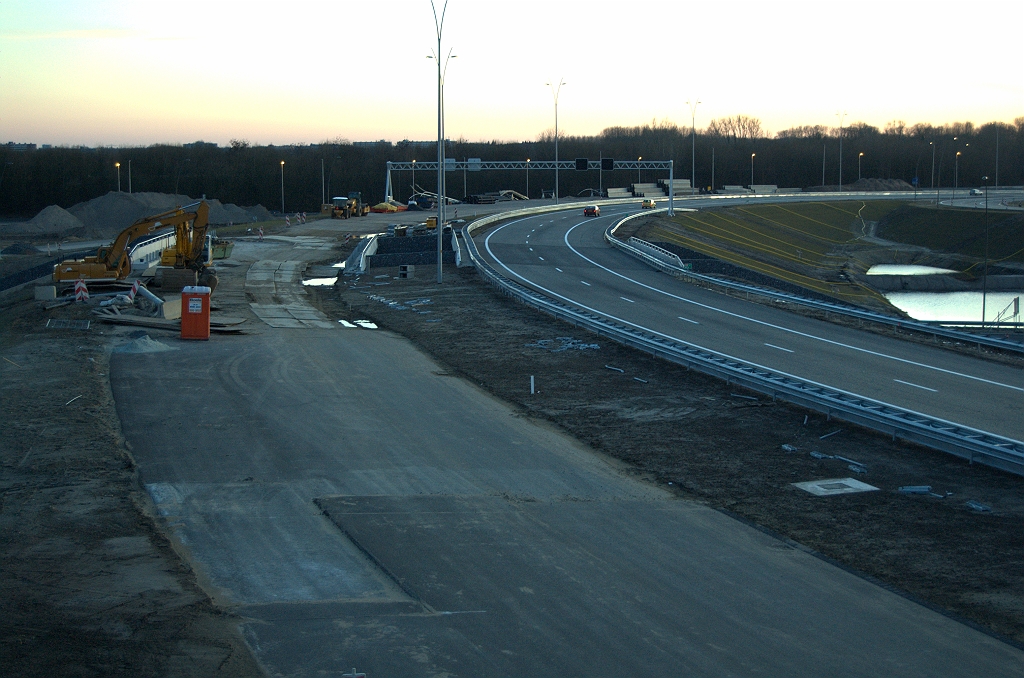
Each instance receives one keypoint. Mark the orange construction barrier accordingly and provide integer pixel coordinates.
(195, 312)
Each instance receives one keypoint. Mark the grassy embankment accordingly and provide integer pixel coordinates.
(810, 244)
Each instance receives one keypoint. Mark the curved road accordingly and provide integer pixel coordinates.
(563, 255)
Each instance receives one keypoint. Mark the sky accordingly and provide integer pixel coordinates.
(141, 72)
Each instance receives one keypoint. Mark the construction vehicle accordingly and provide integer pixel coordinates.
(352, 206)
(113, 262)
(193, 248)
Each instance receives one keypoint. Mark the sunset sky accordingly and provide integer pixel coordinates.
(138, 72)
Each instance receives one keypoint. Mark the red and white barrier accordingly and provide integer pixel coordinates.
(132, 292)
(81, 291)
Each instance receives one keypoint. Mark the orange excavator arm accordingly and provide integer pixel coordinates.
(112, 261)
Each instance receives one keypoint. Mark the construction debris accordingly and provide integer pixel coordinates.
(915, 489)
(559, 344)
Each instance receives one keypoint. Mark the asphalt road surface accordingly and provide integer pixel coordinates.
(361, 508)
(564, 255)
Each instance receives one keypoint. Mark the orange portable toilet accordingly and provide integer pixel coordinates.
(195, 312)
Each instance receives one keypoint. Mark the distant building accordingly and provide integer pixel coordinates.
(19, 148)
(382, 142)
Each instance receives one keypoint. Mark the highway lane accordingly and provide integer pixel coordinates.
(564, 255)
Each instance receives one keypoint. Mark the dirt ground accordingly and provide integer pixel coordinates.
(719, 445)
(88, 584)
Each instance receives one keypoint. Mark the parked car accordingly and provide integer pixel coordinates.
(648, 204)
(591, 211)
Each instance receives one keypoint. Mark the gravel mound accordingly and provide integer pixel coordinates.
(108, 215)
(52, 221)
(143, 344)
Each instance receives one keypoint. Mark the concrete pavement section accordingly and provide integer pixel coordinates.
(363, 508)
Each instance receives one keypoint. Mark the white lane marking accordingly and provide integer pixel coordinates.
(785, 329)
(629, 300)
(805, 380)
(582, 281)
(558, 269)
(531, 249)
(541, 258)
(689, 321)
(924, 388)
(787, 350)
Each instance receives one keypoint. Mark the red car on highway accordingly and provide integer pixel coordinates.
(591, 211)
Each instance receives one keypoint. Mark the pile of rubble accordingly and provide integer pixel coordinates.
(108, 215)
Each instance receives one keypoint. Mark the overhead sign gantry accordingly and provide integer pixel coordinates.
(579, 164)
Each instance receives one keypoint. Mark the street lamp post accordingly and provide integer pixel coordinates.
(824, 146)
(638, 159)
(282, 187)
(841, 116)
(859, 156)
(527, 178)
(177, 174)
(984, 280)
(323, 183)
(693, 144)
(752, 171)
(129, 177)
(118, 166)
(414, 176)
(932, 144)
(555, 92)
(956, 177)
(442, 70)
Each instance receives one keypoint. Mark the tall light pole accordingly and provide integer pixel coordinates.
(323, 183)
(442, 70)
(841, 116)
(984, 280)
(118, 166)
(638, 159)
(414, 176)
(129, 176)
(527, 178)
(823, 147)
(693, 144)
(956, 177)
(555, 92)
(752, 171)
(282, 187)
(932, 144)
(859, 156)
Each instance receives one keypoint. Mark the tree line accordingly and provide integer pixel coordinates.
(801, 157)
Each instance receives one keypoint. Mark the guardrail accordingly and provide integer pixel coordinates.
(962, 441)
(932, 328)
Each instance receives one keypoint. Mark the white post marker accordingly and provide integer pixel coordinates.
(532, 391)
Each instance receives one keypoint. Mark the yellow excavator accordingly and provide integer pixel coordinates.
(113, 262)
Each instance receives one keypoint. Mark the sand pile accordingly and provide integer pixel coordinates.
(52, 221)
(108, 215)
(143, 344)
